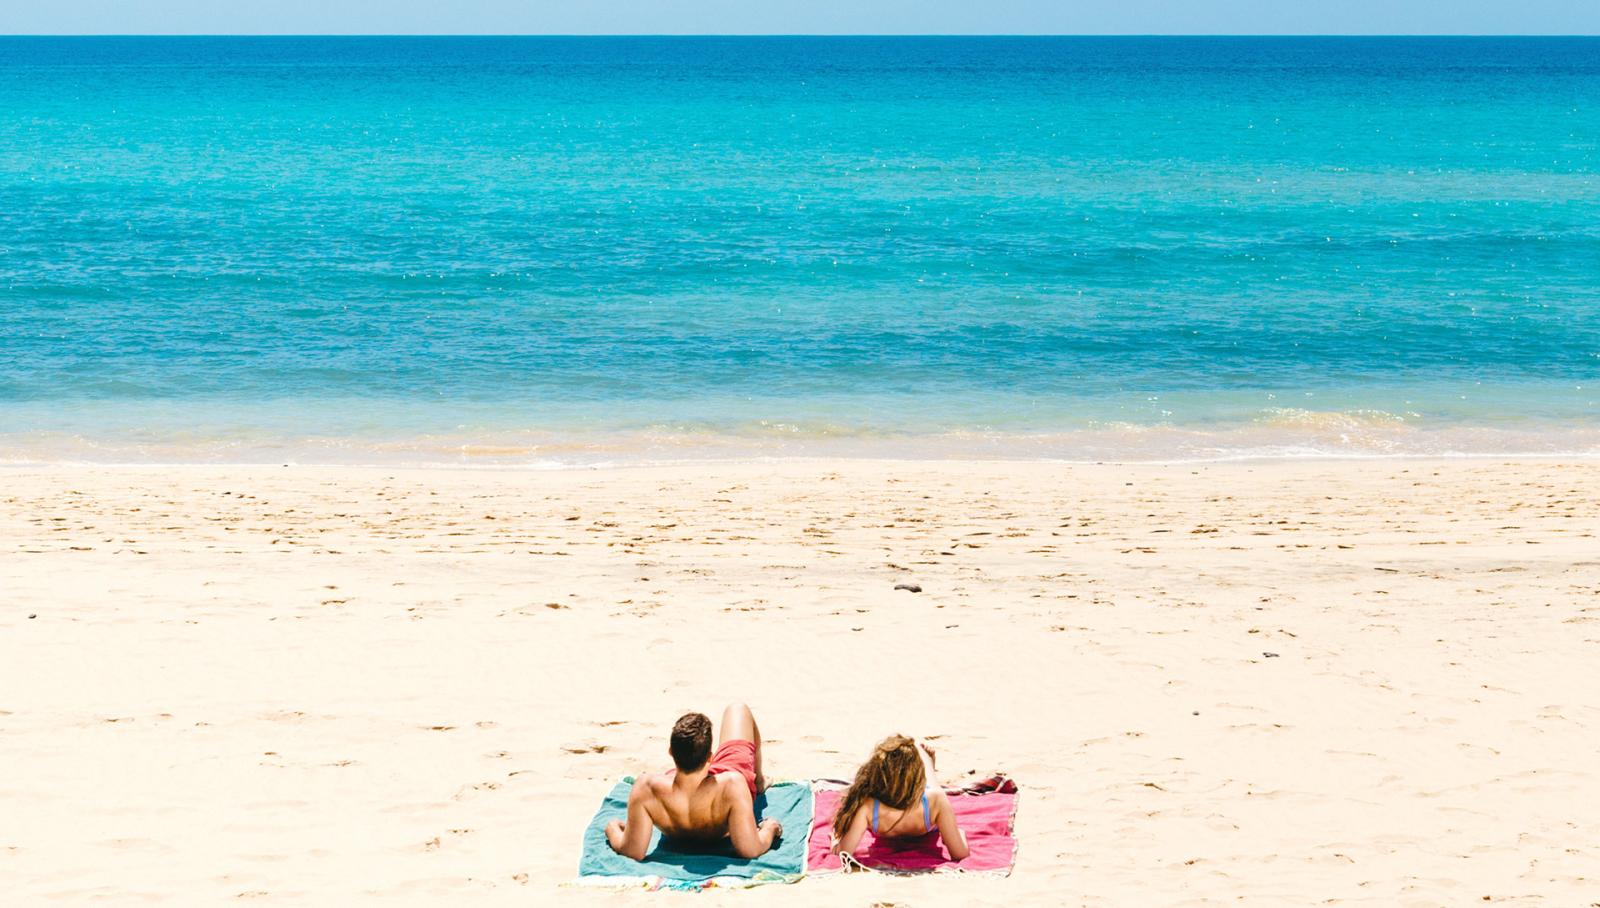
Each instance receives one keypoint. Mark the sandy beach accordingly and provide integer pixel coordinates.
(1290, 683)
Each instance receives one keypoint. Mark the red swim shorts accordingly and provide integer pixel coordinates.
(736, 756)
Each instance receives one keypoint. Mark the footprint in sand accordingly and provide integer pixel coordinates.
(467, 791)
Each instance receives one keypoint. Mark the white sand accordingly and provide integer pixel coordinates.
(328, 686)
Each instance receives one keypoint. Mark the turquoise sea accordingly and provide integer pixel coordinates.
(569, 250)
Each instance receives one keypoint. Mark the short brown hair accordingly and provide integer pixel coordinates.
(691, 741)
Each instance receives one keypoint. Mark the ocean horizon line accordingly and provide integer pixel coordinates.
(828, 35)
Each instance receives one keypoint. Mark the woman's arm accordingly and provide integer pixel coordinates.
(852, 833)
(945, 818)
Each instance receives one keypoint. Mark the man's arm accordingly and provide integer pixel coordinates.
(749, 840)
(631, 839)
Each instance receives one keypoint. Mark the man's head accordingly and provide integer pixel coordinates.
(691, 742)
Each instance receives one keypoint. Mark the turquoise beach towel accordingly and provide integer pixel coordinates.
(787, 802)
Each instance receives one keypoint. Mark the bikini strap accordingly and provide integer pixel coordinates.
(927, 820)
(874, 816)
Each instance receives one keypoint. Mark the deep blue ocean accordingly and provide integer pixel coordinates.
(567, 250)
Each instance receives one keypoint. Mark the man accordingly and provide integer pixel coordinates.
(708, 798)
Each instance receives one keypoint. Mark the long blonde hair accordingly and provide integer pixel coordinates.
(893, 775)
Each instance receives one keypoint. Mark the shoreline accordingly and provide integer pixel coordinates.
(1311, 458)
(1329, 436)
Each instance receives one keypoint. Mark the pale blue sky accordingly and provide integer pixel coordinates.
(800, 17)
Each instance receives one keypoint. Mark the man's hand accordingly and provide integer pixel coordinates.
(771, 831)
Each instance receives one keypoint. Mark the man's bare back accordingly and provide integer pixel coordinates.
(702, 806)
(692, 807)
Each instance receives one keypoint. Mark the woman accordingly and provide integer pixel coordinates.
(891, 796)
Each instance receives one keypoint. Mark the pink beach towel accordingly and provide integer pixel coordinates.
(987, 819)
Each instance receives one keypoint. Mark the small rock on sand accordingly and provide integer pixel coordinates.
(908, 587)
